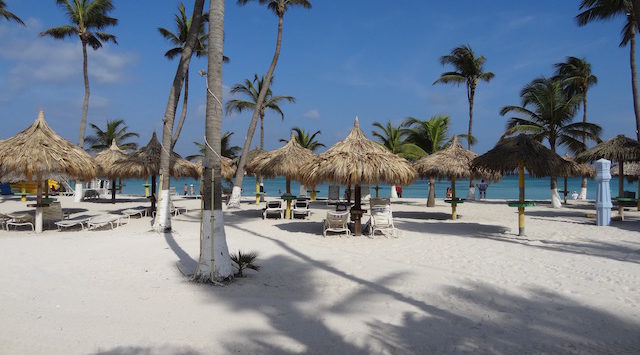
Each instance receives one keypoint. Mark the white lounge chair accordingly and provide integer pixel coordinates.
(333, 195)
(301, 208)
(21, 220)
(382, 221)
(273, 208)
(142, 211)
(336, 222)
(68, 223)
(103, 220)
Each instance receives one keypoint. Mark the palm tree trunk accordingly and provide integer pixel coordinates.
(471, 195)
(583, 186)
(234, 200)
(555, 197)
(213, 241)
(431, 200)
(634, 81)
(163, 217)
(78, 194)
(261, 179)
(183, 114)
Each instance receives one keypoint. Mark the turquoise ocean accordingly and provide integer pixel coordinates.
(507, 188)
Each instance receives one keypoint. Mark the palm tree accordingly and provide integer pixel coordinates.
(88, 18)
(279, 8)
(547, 113)
(226, 149)
(305, 139)
(468, 69)
(179, 40)
(431, 135)
(599, 10)
(10, 16)
(577, 78)
(213, 241)
(114, 130)
(251, 91)
(394, 139)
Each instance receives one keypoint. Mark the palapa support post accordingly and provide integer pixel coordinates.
(39, 211)
(521, 199)
(566, 191)
(313, 193)
(120, 185)
(621, 189)
(454, 214)
(257, 191)
(356, 212)
(113, 191)
(23, 192)
(153, 193)
(288, 211)
(377, 188)
(45, 187)
(146, 187)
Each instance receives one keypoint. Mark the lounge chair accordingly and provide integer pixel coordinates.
(176, 210)
(103, 220)
(68, 223)
(21, 220)
(273, 208)
(4, 219)
(142, 211)
(90, 194)
(334, 194)
(336, 222)
(301, 208)
(382, 221)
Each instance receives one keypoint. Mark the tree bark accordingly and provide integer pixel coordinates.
(214, 263)
(431, 200)
(583, 185)
(634, 82)
(471, 195)
(555, 198)
(163, 217)
(85, 101)
(183, 114)
(261, 179)
(234, 201)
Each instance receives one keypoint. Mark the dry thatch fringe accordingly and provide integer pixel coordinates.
(357, 160)
(579, 169)
(452, 162)
(227, 166)
(508, 153)
(38, 153)
(106, 159)
(617, 149)
(630, 170)
(146, 162)
(285, 161)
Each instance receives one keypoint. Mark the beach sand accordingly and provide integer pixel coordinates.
(465, 286)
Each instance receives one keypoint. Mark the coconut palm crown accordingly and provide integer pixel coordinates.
(115, 130)
(279, 7)
(8, 15)
(226, 149)
(394, 139)
(305, 139)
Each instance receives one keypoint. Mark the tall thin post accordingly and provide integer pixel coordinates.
(288, 211)
(621, 189)
(454, 214)
(521, 199)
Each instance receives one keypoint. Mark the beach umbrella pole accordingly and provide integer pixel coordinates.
(356, 212)
(39, 208)
(288, 211)
(621, 189)
(146, 187)
(313, 193)
(113, 191)
(566, 192)
(257, 190)
(454, 214)
(153, 193)
(521, 200)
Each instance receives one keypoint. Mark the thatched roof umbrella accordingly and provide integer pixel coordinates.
(631, 171)
(358, 161)
(39, 153)
(105, 160)
(227, 165)
(453, 162)
(619, 149)
(145, 162)
(577, 169)
(286, 161)
(517, 154)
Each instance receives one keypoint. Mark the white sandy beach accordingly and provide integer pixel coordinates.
(466, 286)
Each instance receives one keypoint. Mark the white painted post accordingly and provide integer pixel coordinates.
(603, 196)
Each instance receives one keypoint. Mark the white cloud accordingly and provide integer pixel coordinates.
(312, 114)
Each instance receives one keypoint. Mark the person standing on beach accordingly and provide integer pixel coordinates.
(482, 190)
(185, 189)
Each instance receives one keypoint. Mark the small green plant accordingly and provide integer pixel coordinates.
(245, 261)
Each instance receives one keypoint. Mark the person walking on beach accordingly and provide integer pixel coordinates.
(185, 189)
(482, 190)
(399, 191)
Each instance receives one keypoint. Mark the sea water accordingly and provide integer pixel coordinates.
(507, 188)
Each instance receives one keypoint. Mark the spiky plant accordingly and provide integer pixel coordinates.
(245, 261)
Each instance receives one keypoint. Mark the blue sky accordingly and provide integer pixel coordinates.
(340, 59)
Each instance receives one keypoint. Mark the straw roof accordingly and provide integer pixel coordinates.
(285, 161)
(579, 169)
(107, 158)
(452, 162)
(146, 162)
(630, 170)
(508, 153)
(38, 152)
(619, 148)
(357, 160)
(227, 166)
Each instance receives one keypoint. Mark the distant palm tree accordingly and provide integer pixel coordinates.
(115, 129)
(577, 78)
(7, 14)
(251, 91)
(279, 8)
(547, 113)
(394, 139)
(88, 18)
(431, 135)
(226, 149)
(305, 139)
(468, 69)
(599, 10)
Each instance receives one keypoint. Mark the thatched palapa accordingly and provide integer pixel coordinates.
(106, 160)
(616, 149)
(39, 153)
(227, 166)
(578, 169)
(630, 170)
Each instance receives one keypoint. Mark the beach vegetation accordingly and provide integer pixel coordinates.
(245, 261)
(227, 150)
(114, 130)
(8, 15)
(305, 138)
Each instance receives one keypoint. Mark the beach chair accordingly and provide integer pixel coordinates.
(91, 194)
(21, 220)
(382, 221)
(336, 222)
(4, 219)
(176, 210)
(103, 220)
(68, 223)
(142, 211)
(273, 208)
(334, 194)
(301, 208)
